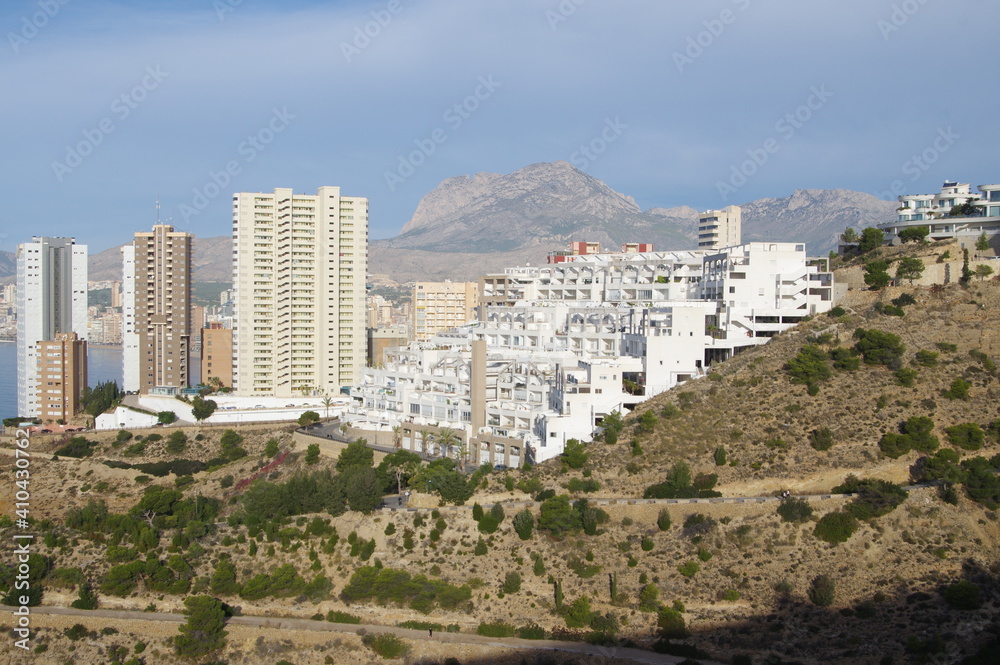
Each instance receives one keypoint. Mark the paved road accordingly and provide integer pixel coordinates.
(283, 623)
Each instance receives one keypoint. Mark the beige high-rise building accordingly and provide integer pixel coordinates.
(299, 283)
(439, 306)
(62, 375)
(157, 310)
(217, 354)
(720, 228)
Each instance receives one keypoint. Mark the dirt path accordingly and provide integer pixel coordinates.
(283, 623)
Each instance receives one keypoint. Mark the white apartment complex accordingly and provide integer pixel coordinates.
(299, 270)
(934, 212)
(720, 228)
(51, 298)
(568, 343)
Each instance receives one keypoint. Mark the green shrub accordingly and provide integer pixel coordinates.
(689, 568)
(78, 447)
(647, 544)
(906, 376)
(926, 358)
(836, 312)
(647, 422)
(959, 389)
(874, 497)
(835, 527)
(512, 582)
(947, 347)
(524, 524)
(822, 591)
(386, 645)
(968, 436)
(663, 520)
(878, 347)
(421, 625)
(845, 360)
(335, 616)
(720, 456)
(671, 624)
(587, 485)
(531, 631)
(794, 510)
(499, 629)
(963, 595)
(730, 595)
(809, 367)
(575, 454)
(821, 439)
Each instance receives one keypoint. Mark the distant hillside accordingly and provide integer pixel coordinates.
(488, 221)
(212, 261)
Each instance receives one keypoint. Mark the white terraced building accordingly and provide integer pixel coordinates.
(934, 212)
(564, 345)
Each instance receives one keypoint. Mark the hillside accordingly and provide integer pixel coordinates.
(740, 579)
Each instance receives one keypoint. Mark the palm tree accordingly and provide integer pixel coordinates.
(446, 438)
(327, 403)
(425, 438)
(397, 436)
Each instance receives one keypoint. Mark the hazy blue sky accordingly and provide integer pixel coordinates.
(107, 105)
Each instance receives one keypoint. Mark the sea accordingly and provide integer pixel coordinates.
(103, 364)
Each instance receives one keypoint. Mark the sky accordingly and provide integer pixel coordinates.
(109, 106)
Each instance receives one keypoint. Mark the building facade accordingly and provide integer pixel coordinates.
(156, 308)
(51, 299)
(217, 354)
(299, 288)
(62, 376)
(956, 212)
(720, 228)
(439, 306)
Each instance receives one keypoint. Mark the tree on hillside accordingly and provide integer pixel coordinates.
(308, 418)
(356, 453)
(877, 275)
(99, 399)
(202, 408)
(909, 268)
(849, 236)
(204, 632)
(871, 238)
(915, 234)
(983, 271)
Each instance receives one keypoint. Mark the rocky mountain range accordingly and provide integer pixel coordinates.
(488, 221)
(470, 225)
